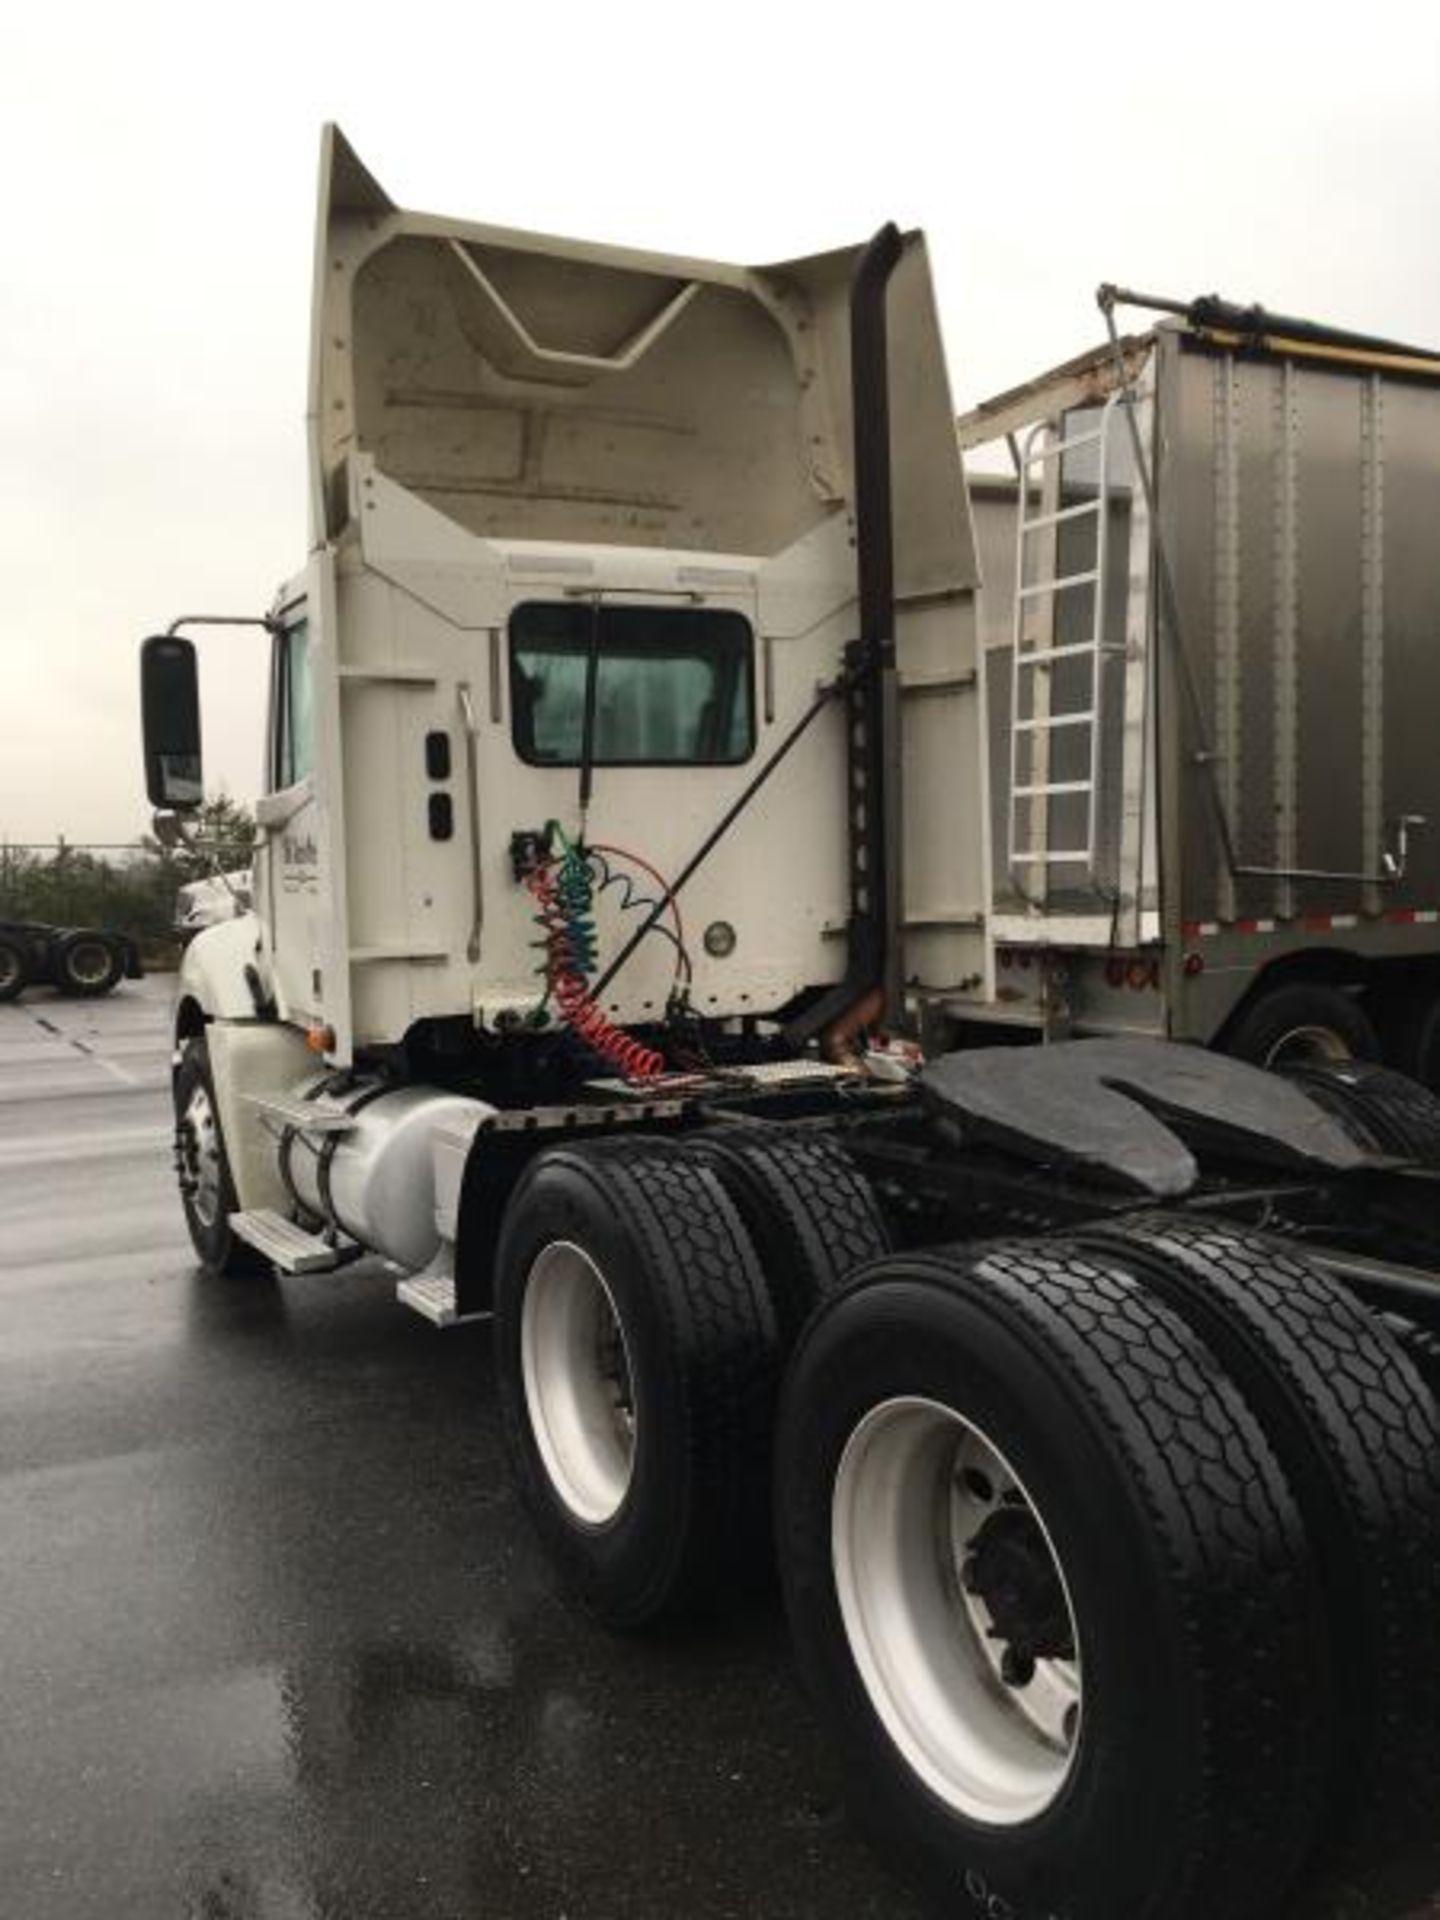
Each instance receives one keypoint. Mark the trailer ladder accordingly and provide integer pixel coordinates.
(1034, 724)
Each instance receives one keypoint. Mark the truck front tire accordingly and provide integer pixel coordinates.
(637, 1364)
(207, 1190)
(1006, 1473)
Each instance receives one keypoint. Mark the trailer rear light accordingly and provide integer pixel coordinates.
(1194, 963)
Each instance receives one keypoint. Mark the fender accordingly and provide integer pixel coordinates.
(212, 973)
(248, 1054)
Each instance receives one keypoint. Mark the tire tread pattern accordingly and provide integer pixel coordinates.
(1375, 1453)
(1236, 1560)
(722, 1339)
(1383, 1110)
(810, 1211)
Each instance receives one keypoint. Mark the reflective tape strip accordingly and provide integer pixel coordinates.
(1312, 923)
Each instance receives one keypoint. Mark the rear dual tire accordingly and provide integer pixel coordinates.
(810, 1214)
(1382, 1110)
(1110, 1561)
(1145, 1526)
(647, 1292)
(1354, 1428)
(638, 1362)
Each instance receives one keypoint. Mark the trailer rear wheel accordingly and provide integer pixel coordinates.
(638, 1368)
(1049, 1588)
(1302, 1022)
(207, 1189)
(809, 1211)
(1356, 1431)
(87, 965)
(13, 968)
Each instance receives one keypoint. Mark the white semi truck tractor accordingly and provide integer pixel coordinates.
(625, 824)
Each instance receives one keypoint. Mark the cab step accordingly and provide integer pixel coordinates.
(431, 1295)
(292, 1249)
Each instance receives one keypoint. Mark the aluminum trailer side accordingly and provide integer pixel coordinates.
(1248, 806)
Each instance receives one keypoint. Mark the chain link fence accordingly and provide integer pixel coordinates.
(126, 887)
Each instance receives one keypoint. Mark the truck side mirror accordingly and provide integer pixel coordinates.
(170, 718)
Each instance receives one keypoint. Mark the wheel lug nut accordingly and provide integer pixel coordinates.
(1016, 1669)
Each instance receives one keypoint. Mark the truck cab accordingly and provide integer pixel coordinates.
(628, 775)
(583, 550)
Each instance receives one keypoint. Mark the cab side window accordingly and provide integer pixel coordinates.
(294, 737)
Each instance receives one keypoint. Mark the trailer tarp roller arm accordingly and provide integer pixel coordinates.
(1255, 326)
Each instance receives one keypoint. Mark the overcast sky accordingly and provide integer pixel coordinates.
(159, 168)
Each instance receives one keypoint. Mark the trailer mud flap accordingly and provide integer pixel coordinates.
(1125, 1110)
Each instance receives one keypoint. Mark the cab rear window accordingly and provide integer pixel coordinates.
(667, 686)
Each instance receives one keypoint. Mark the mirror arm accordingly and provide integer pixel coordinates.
(177, 832)
(265, 620)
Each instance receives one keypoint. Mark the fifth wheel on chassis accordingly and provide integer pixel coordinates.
(626, 833)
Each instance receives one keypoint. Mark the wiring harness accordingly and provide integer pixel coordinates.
(565, 887)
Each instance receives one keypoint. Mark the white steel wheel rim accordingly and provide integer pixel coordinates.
(200, 1156)
(89, 962)
(578, 1381)
(905, 1512)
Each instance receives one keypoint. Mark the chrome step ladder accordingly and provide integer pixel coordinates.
(1039, 586)
(286, 1245)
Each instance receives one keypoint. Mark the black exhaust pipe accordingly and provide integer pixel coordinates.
(870, 405)
(870, 991)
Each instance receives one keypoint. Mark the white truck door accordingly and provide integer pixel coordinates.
(300, 867)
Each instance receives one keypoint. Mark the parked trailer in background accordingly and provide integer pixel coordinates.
(1211, 629)
(627, 797)
(83, 961)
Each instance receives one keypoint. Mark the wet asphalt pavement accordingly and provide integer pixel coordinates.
(276, 1641)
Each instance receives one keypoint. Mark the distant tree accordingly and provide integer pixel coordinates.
(132, 891)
